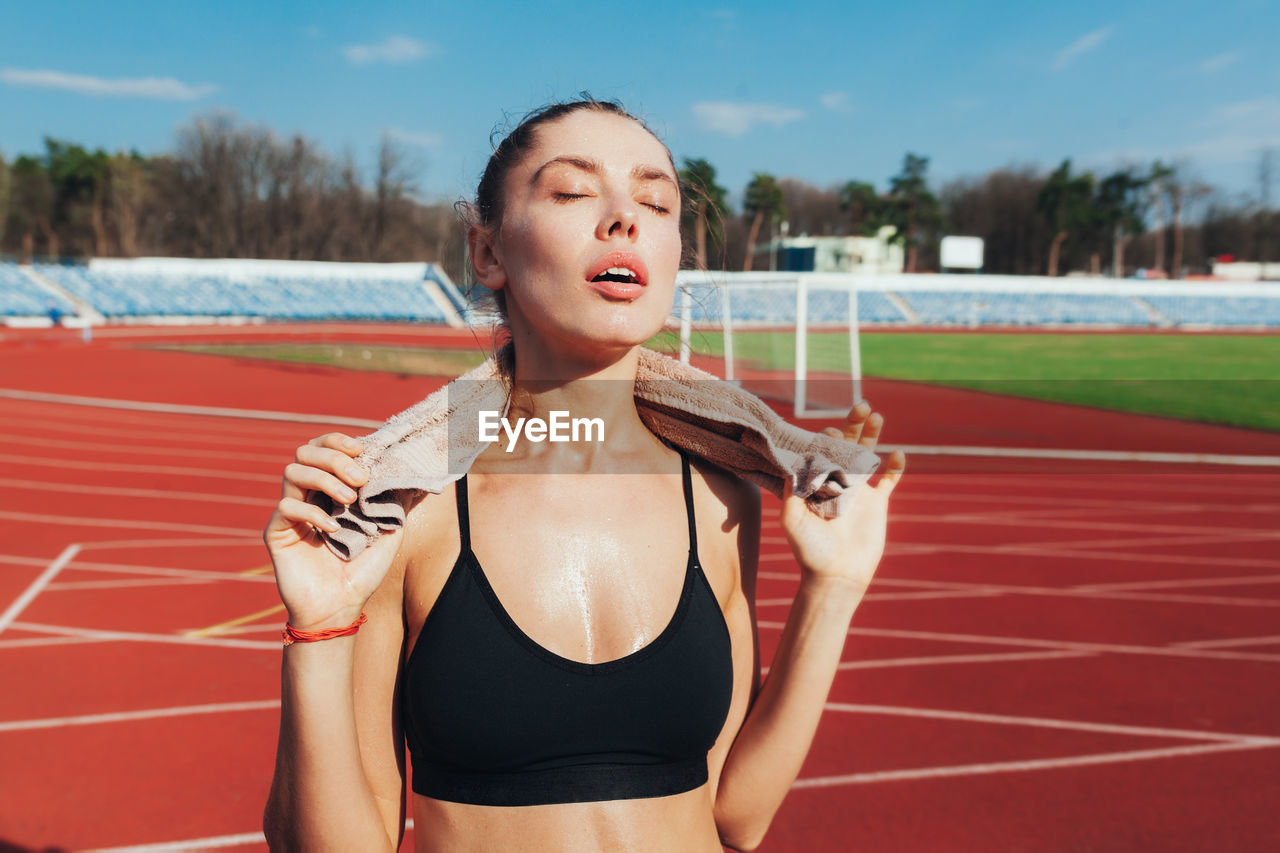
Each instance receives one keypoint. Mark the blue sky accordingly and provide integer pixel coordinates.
(826, 92)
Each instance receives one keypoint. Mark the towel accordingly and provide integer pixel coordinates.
(425, 448)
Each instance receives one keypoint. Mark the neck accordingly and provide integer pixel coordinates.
(592, 398)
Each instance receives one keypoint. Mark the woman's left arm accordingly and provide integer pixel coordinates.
(837, 559)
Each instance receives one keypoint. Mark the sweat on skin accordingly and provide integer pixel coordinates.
(559, 428)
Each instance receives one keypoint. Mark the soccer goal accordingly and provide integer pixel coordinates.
(787, 337)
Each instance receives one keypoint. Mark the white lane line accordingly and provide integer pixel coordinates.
(133, 468)
(132, 524)
(1229, 642)
(1049, 723)
(1086, 455)
(190, 542)
(118, 491)
(178, 409)
(137, 637)
(898, 596)
(123, 584)
(1184, 583)
(888, 663)
(133, 448)
(1200, 485)
(1099, 525)
(45, 641)
(1063, 645)
(1025, 766)
(193, 437)
(217, 842)
(160, 572)
(28, 595)
(1074, 592)
(128, 716)
(924, 549)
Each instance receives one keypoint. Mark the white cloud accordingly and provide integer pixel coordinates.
(736, 118)
(1219, 62)
(1081, 46)
(422, 140)
(837, 102)
(158, 88)
(393, 49)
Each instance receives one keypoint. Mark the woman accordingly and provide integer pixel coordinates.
(556, 699)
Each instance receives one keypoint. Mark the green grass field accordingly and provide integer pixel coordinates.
(1228, 379)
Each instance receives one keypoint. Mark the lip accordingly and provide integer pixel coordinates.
(618, 289)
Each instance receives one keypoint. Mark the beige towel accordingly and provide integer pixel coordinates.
(423, 449)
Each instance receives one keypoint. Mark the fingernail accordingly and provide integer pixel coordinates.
(355, 472)
(347, 495)
(331, 525)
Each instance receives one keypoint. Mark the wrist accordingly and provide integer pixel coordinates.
(833, 587)
(310, 622)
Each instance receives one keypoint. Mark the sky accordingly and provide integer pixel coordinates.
(824, 92)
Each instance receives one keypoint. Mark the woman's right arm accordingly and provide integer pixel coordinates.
(339, 777)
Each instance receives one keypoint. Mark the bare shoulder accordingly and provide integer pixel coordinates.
(727, 508)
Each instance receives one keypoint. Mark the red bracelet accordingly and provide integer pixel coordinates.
(292, 635)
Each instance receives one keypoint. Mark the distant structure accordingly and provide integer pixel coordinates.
(861, 255)
(1229, 269)
(961, 253)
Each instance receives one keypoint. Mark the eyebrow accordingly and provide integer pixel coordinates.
(593, 167)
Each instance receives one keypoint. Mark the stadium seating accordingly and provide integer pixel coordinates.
(981, 308)
(1218, 310)
(141, 294)
(21, 297)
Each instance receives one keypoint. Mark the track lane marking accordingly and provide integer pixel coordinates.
(1025, 766)
(33, 589)
(87, 521)
(47, 462)
(213, 630)
(129, 716)
(139, 637)
(1064, 645)
(121, 491)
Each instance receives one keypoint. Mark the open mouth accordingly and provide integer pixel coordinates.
(618, 275)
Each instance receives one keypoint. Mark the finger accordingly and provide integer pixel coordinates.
(871, 431)
(893, 474)
(335, 462)
(299, 479)
(833, 432)
(855, 420)
(291, 512)
(338, 441)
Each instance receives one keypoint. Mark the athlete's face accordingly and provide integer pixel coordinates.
(589, 241)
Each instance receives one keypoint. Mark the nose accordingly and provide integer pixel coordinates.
(620, 218)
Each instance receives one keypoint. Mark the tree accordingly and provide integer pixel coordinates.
(864, 207)
(1121, 202)
(1157, 179)
(1065, 201)
(763, 203)
(911, 208)
(32, 198)
(705, 205)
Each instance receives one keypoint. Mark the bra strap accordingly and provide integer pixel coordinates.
(464, 514)
(688, 503)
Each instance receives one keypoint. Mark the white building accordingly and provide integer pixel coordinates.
(864, 255)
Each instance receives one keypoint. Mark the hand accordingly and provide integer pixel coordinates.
(318, 588)
(848, 547)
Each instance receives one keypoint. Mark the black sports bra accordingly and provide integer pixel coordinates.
(492, 718)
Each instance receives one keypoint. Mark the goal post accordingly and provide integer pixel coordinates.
(788, 337)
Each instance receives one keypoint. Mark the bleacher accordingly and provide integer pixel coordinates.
(22, 297)
(166, 290)
(141, 294)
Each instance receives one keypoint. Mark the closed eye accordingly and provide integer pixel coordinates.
(565, 197)
(657, 208)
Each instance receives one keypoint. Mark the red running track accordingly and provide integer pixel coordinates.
(1058, 659)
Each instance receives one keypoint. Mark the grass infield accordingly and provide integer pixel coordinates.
(1227, 379)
